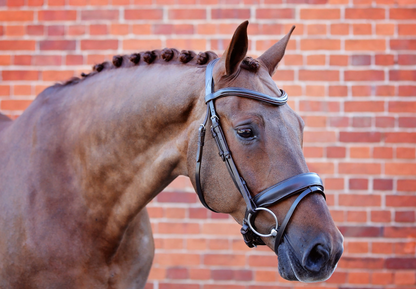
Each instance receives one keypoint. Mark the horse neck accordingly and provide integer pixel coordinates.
(127, 134)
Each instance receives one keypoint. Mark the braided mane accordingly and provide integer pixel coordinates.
(167, 55)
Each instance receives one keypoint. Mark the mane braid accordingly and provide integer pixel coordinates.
(151, 56)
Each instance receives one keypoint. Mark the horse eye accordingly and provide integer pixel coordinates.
(245, 132)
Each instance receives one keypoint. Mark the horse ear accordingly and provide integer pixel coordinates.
(274, 54)
(237, 50)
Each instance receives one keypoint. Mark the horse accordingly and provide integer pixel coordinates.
(82, 162)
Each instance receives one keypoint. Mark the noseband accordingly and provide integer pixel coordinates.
(302, 184)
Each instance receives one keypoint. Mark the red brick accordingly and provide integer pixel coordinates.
(365, 13)
(119, 29)
(4, 90)
(340, 29)
(358, 184)
(400, 201)
(402, 75)
(321, 168)
(383, 184)
(313, 152)
(143, 14)
(407, 59)
(320, 14)
(362, 29)
(361, 90)
(360, 152)
(406, 185)
(319, 75)
(47, 60)
(17, 45)
(14, 104)
(337, 121)
(177, 273)
(35, 2)
(382, 278)
(270, 13)
(385, 29)
(385, 121)
(379, 216)
(406, 29)
(360, 136)
(401, 263)
(359, 168)
(22, 60)
(385, 90)
(173, 29)
(361, 263)
(360, 231)
(403, 13)
(407, 122)
(20, 75)
(405, 153)
(16, 15)
(355, 247)
(15, 3)
(405, 216)
(98, 29)
(336, 152)
(403, 44)
(338, 90)
(400, 137)
(363, 75)
(22, 90)
(15, 30)
(315, 121)
(402, 106)
(57, 45)
(57, 15)
(364, 106)
(99, 15)
(142, 29)
(230, 13)
(363, 45)
(187, 14)
(35, 29)
(400, 232)
(99, 44)
(225, 260)
(320, 44)
(384, 59)
(56, 2)
(56, 30)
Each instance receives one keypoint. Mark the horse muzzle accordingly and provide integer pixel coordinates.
(314, 264)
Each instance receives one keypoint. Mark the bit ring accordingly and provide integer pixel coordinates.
(273, 232)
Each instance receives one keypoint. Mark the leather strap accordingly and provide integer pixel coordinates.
(287, 188)
(289, 214)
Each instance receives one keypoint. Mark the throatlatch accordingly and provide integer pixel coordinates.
(302, 184)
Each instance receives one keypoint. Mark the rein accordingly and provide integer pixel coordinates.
(302, 184)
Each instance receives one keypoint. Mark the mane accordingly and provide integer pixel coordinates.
(165, 56)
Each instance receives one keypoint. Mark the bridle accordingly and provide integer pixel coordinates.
(302, 184)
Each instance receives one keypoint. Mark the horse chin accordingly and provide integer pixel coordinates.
(291, 269)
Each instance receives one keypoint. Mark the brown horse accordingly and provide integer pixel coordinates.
(81, 163)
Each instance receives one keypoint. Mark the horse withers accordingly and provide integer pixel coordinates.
(82, 162)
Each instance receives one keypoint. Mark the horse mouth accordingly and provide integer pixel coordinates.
(291, 268)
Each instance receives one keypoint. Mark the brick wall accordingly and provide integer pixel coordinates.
(349, 72)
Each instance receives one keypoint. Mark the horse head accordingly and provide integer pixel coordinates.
(265, 184)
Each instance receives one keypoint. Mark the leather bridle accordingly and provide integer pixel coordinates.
(302, 184)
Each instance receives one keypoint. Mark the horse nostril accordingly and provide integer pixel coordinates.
(316, 258)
